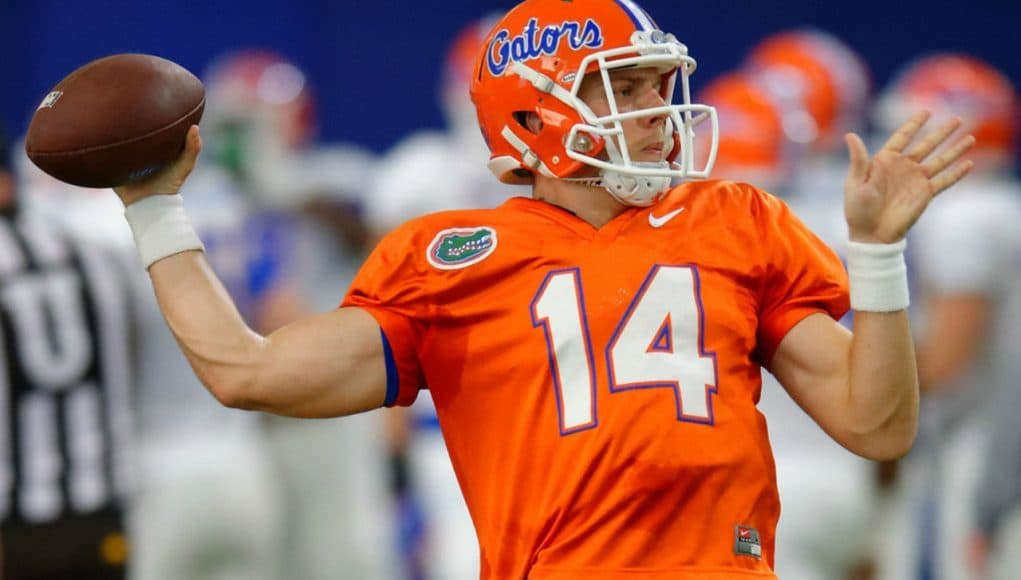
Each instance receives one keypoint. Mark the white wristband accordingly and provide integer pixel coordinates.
(161, 228)
(878, 276)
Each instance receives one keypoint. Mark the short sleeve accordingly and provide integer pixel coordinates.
(802, 275)
(390, 289)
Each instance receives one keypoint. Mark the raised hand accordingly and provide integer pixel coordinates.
(170, 178)
(885, 195)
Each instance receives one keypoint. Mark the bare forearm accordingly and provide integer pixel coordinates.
(221, 348)
(327, 365)
(883, 389)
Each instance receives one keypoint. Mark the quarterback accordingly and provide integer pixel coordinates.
(595, 351)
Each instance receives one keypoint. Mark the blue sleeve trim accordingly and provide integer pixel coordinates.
(392, 375)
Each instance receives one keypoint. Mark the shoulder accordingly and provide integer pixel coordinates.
(438, 259)
(422, 231)
(730, 200)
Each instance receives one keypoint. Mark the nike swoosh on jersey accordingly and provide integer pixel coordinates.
(658, 222)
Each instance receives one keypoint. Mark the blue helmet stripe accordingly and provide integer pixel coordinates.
(637, 15)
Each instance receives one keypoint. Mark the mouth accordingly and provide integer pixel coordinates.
(652, 151)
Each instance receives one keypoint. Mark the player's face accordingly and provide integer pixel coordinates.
(633, 89)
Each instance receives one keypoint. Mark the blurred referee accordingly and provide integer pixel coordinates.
(65, 401)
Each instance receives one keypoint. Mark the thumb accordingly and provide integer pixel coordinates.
(858, 171)
(186, 162)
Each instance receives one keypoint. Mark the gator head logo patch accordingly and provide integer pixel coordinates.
(460, 247)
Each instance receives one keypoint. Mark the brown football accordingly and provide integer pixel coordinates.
(115, 120)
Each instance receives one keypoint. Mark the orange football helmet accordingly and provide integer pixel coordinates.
(753, 144)
(951, 85)
(821, 71)
(534, 61)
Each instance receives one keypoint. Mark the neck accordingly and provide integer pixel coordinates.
(591, 203)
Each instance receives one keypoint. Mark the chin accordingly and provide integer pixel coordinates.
(648, 158)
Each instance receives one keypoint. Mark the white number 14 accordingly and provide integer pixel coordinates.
(658, 343)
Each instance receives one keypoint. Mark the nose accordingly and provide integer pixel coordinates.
(652, 99)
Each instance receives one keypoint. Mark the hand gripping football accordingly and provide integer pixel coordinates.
(115, 120)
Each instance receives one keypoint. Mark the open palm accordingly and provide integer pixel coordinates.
(885, 195)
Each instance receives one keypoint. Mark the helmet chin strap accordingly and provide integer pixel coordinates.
(634, 190)
(637, 190)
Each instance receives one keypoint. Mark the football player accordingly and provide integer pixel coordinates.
(594, 352)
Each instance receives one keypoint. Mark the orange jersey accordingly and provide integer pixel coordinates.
(597, 388)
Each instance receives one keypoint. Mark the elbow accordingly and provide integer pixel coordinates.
(231, 390)
(229, 394)
(887, 444)
(890, 449)
(234, 382)
(893, 436)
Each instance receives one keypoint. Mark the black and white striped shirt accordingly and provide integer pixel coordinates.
(65, 374)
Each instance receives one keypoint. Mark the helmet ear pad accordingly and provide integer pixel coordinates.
(555, 120)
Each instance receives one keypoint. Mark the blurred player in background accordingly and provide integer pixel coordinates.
(993, 552)
(823, 86)
(303, 204)
(427, 172)
(967, 256)
(781, 119)
(67, 404)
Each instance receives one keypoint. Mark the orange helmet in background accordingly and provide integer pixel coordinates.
(260, 116)
(457, 75)
(823, 72)
(753, 144)
(534, 61)
(950, 85)
(260, 86)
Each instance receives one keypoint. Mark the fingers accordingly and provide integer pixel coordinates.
(858, 171)
(903, 136)
(933, 140)
(169, 179)
(944, 159)
(950, 176)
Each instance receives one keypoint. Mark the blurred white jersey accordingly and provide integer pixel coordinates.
(429, 172)
(968, 241)
(824, 488)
